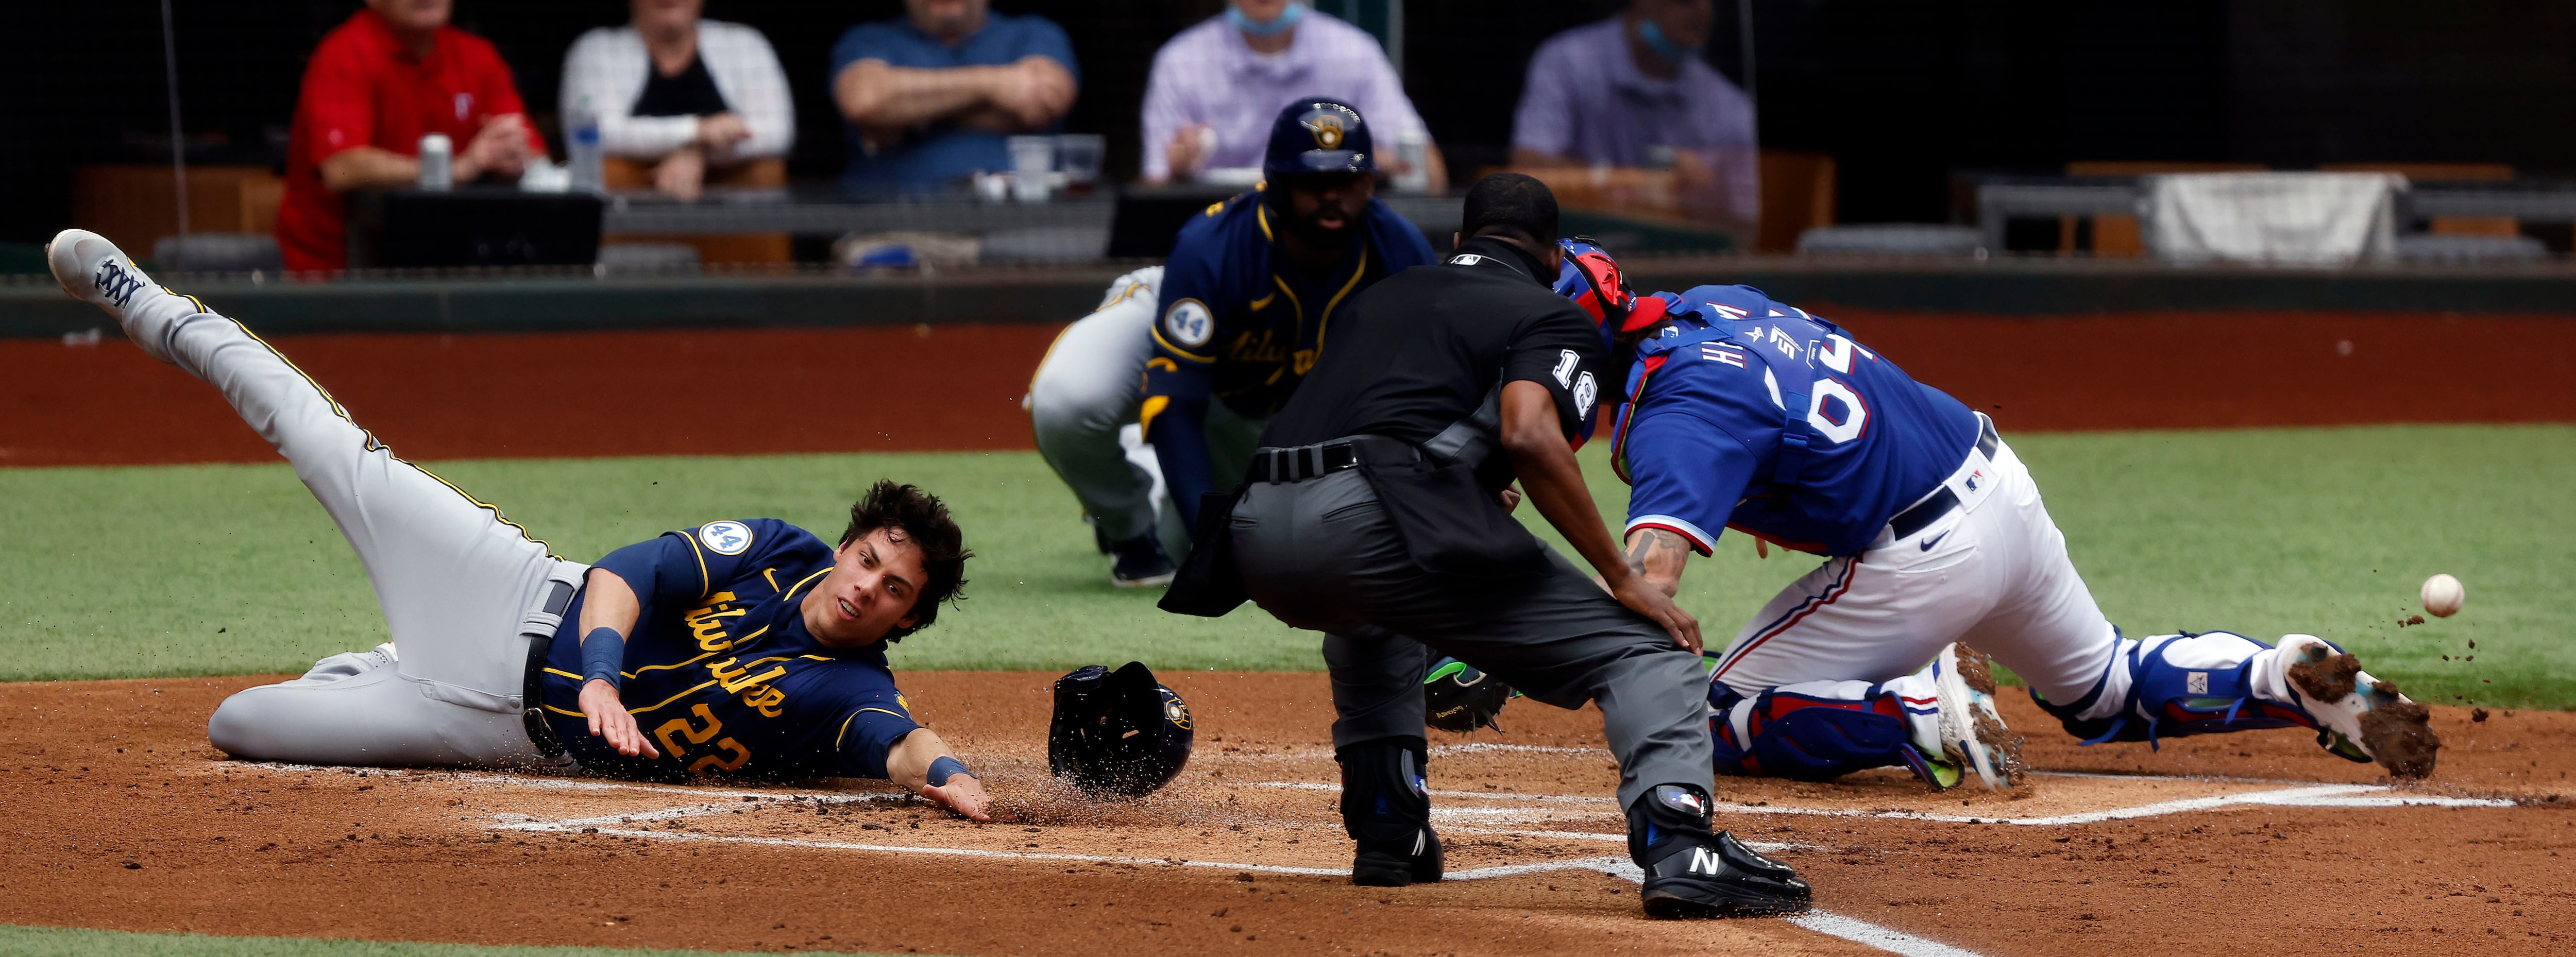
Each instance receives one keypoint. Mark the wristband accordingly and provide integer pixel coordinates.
(602, 652)
(943, 767)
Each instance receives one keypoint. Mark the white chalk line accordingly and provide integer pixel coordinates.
(2324, 795)
(1834, 925)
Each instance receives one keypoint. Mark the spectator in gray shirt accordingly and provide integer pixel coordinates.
(1632, 91)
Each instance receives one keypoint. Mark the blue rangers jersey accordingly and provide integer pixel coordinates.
(1753, 415)
(1242, 324)
(720, 671)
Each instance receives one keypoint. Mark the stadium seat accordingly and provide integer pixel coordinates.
(2465, 250)
(1893, 239)
(218, 252)
(2120, 235)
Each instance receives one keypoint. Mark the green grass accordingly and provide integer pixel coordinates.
(195, 570)
(71, 942)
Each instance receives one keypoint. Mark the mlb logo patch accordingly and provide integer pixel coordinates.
(2196, 682)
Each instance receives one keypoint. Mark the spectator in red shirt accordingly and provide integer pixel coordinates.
(376, 84)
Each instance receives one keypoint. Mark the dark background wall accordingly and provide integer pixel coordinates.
(1902, 94)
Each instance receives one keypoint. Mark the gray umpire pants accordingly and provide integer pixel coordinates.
(1083, 406)
(459, 584)
(1322, 554)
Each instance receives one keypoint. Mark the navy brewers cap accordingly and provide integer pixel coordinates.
(1319, 135)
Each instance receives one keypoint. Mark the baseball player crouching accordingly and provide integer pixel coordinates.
(738, 647)
(1749, 414)
(1198, 353)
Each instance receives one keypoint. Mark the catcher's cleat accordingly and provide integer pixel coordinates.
(2358, 717)
(94, 271)
(1691, 872)
(1139, 562)
(1973, 735)
(1940, 775)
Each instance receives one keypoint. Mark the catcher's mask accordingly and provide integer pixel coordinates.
(1117, 733)
(1592, 279)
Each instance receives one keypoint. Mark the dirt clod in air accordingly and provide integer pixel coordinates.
(2400, 734)
(2411, 620)
(2478, 714)
(2326, 681)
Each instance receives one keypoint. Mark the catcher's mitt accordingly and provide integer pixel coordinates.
(1457, 697)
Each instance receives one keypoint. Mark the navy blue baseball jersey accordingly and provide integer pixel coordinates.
(1241, 324)
(1701, 441)
(720, 671)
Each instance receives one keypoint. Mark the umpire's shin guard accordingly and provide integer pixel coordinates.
(1387, 810)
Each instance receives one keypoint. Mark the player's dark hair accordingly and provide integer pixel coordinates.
(1513, 206)
(923, 520)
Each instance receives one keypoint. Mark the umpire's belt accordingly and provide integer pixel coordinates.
(1299, 463)
(1969, 485)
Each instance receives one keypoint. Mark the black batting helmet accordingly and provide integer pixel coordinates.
(1117, 733)
(1318, 135)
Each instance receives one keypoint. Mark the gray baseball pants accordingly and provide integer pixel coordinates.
(1322, 554)
(461, 587)
(1083, 406)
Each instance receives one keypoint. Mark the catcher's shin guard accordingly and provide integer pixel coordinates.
(1785, 733)
(1691, 872)
(1386, 809)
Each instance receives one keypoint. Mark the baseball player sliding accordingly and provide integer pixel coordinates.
(1749, 414)
(738, 647)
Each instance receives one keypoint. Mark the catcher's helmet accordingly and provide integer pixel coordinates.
(1318, 135)
(1457, 697)
(1117, 733)
(1592, 279)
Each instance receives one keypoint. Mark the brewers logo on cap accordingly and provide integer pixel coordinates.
(1329, 124)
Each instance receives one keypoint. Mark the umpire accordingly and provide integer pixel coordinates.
(1377, 512)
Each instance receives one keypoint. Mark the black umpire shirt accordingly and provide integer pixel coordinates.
(1423, 348)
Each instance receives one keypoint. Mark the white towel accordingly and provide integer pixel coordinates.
(2302, 219)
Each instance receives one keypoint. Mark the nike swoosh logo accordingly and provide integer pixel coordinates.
(1935, 540)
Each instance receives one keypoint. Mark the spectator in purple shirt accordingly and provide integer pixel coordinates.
(1632, 91)
(1216, 86)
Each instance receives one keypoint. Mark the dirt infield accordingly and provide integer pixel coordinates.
(959, 387)
(121, 816)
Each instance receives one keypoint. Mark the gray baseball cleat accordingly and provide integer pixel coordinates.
(94, 271)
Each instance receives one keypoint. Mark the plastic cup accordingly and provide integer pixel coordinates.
(1032, 158)
(1078, 155)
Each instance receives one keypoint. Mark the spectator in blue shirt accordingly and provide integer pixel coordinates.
(929, 98)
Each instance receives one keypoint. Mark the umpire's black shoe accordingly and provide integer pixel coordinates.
(1386, 809)
(1691, 872)
(1400, 863)
(1139, 562)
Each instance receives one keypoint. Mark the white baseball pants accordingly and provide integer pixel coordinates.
(1083, 406)
(1993, 573)
(459, 584)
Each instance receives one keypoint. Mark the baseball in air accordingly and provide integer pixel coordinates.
(2443, 595)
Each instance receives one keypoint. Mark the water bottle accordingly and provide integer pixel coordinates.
(1414, 148)
(437, 156)
(581, 148)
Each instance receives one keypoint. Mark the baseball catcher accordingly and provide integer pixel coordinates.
(740, 647)
(1754, 415)
(1117, 733)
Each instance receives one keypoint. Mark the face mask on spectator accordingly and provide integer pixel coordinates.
(1287, 18)
(1655, 40)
